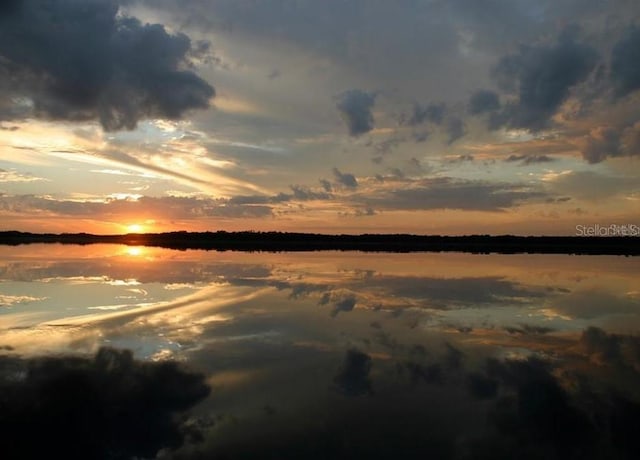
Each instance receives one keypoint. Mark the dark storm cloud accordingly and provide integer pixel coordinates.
(483, 101)
(541, 76)
(355, 108)
(345, 179)
(81, 60)
(625, 62)
(109, 406)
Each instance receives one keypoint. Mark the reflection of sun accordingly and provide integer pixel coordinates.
(135, 251)
(135, 228)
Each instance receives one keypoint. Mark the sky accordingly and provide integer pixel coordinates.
(340, 116)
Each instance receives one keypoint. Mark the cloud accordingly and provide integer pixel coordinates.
(433, 113)
(170, 207)
(298, 193)
(455, 129)
(483, 101)
(601, 143)
(345, 179)
(326, 185)
(463, 158)
(608, 141)
(82, 60)
(106, 406)
(528, 329)
(625, 62)
(529, 159)
(355, 109)
(541, 76)
(14, 176)
(447, 193)
(592, 186)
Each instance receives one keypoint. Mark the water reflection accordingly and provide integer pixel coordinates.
(335, 355)
(109, 406)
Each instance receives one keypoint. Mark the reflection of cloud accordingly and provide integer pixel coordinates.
(183, 319)
(120, 272)
(353, 377)
(342, 301)
(542, 415)
(10, 300)
(453, 292)
(622, 351)
(107, 406)
(492, 408)
(594, 303)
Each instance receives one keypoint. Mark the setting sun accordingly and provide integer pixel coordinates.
(135, 228)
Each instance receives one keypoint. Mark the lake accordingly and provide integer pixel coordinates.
(111, 351)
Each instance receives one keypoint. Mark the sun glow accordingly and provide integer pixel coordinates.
(135, 228)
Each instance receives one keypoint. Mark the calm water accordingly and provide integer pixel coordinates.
(123, 352)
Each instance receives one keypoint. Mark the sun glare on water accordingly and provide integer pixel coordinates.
(134, 251)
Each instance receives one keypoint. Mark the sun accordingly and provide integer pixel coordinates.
(135, 228)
